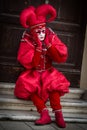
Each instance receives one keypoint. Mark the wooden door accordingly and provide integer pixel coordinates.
(69, 26)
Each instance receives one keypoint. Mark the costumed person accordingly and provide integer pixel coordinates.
(39, 47)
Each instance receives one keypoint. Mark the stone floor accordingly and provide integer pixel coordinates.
(25, 125)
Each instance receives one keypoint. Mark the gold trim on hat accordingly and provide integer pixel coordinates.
(37, 25)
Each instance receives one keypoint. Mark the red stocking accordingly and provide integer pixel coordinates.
(54, 98)
(38, 102)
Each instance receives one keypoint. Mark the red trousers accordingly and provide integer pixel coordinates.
(54, 99)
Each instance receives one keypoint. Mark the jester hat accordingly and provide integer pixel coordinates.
(31, 17)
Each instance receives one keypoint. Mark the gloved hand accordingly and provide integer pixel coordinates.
(48, 39)
(38, 42)
(38, 51)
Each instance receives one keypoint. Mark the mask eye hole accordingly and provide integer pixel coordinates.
(43, 31)
(39, 31)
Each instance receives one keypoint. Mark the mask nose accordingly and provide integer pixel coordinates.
(41, 33)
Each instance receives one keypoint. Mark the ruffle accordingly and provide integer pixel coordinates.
(41, 83)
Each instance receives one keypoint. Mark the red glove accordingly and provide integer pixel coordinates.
(38, 51)
(39, 43)
(48, 39)
(36, 58)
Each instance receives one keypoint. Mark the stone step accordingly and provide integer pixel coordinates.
(33, 115)
(8, 88)
(9, 102)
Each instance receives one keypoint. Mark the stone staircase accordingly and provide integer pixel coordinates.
(74, 108)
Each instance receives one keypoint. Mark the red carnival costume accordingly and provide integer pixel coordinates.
(41, 80)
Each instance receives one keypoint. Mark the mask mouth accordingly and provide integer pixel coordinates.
(41, 38)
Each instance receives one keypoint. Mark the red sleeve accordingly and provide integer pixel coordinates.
(56, 56)
(25, 54)
(58, 51)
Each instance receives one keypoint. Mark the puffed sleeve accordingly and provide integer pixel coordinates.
(58, 50)
(25, 53)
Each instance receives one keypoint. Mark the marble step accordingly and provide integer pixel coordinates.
(8, 88)
(33, 115)
(9, 102)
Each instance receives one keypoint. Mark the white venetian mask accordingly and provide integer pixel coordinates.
(41, 33)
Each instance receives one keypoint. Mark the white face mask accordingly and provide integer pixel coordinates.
(41, 33)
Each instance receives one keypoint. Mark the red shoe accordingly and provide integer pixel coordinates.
(59, 119)
(44, 118)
